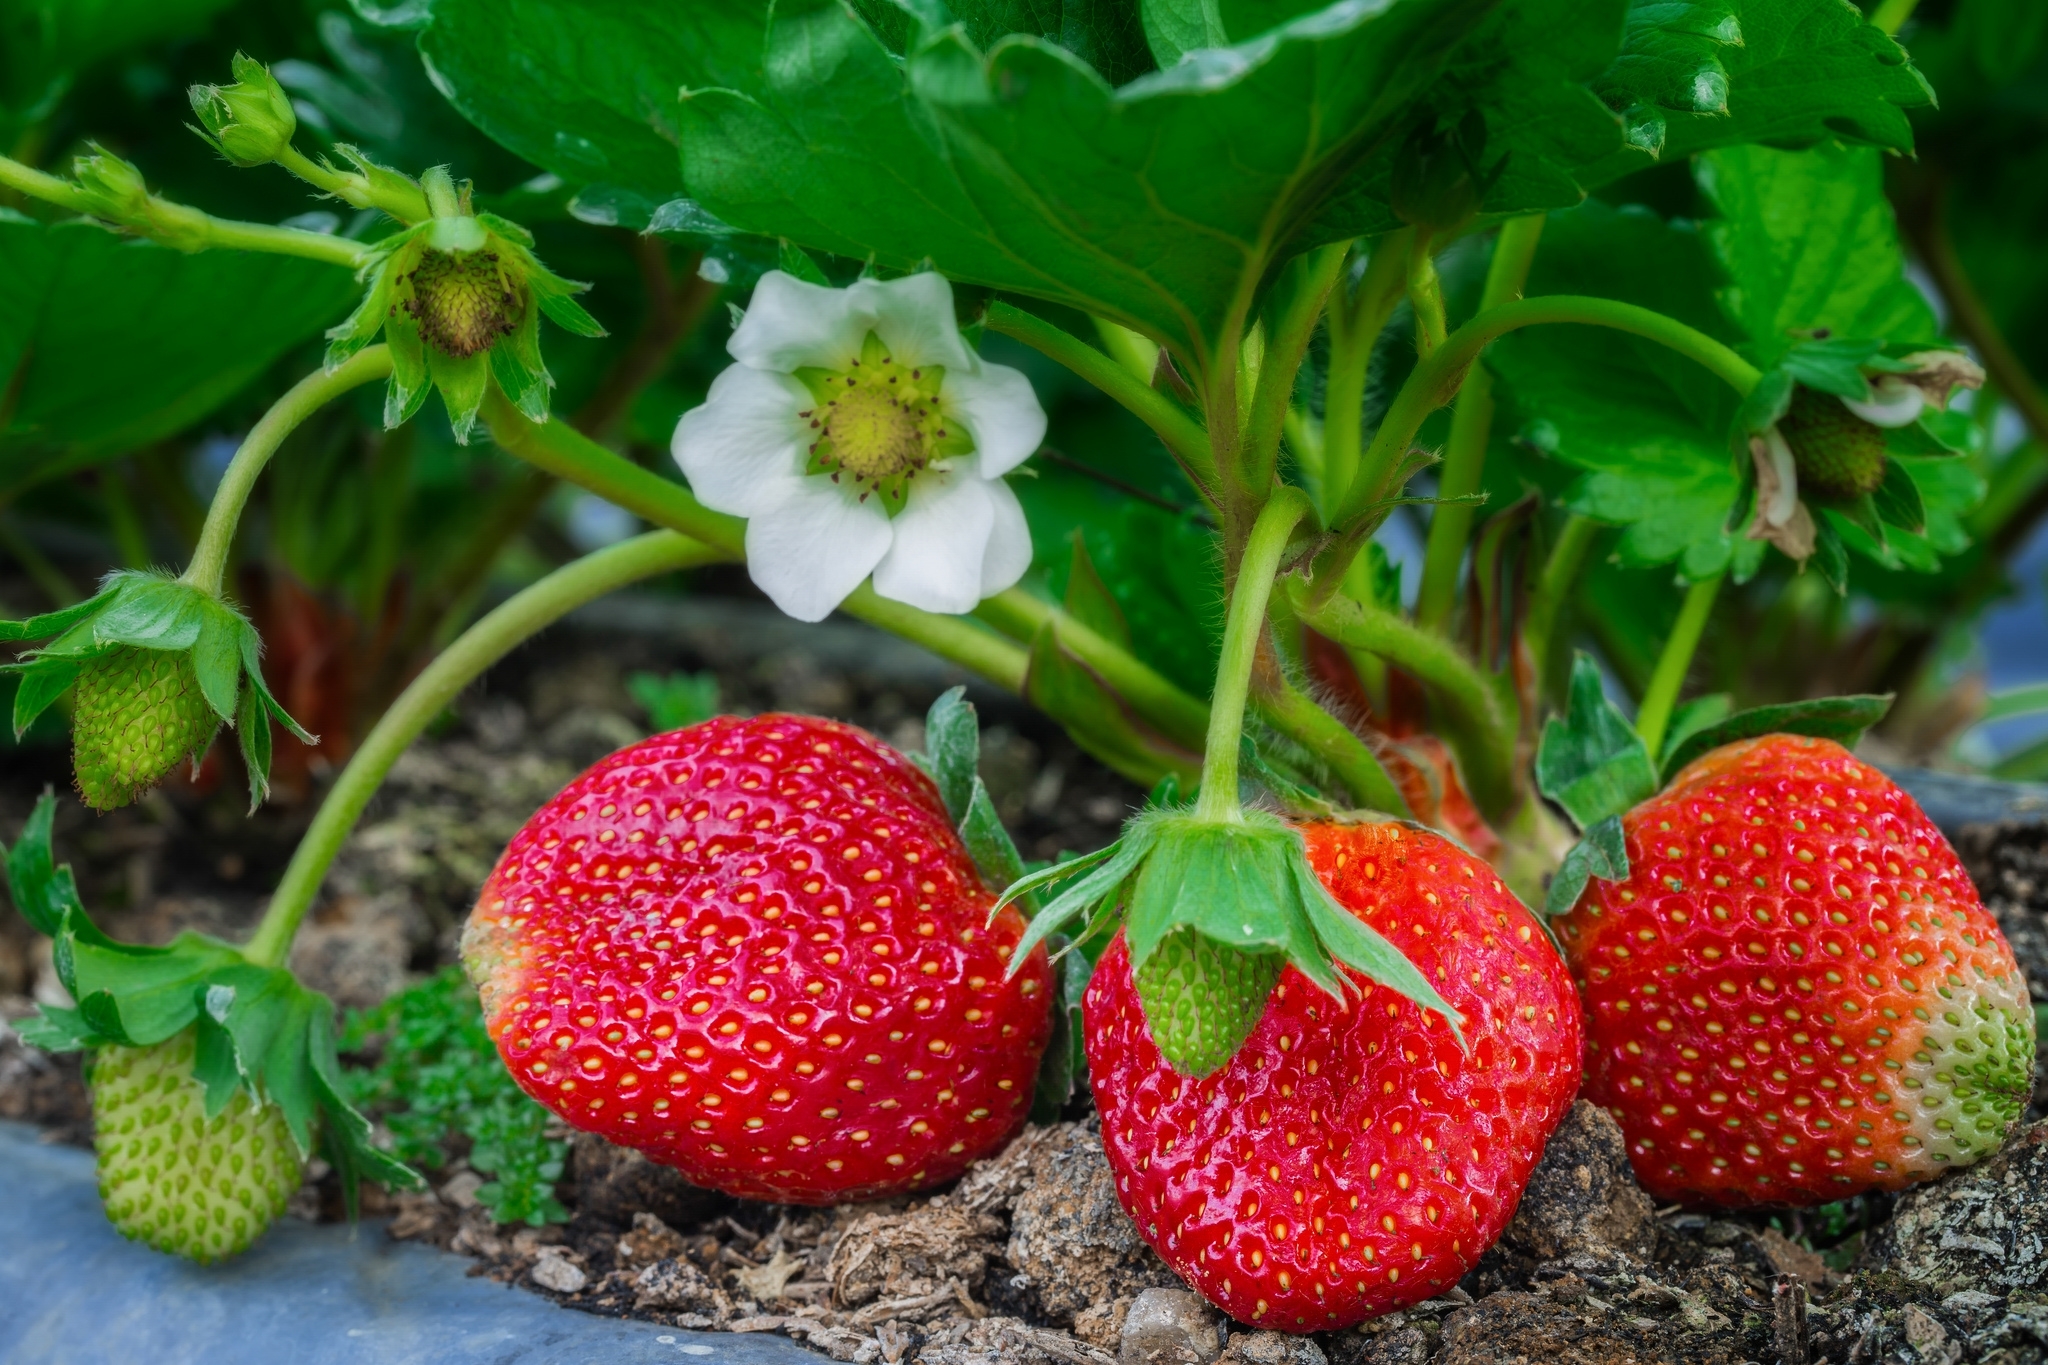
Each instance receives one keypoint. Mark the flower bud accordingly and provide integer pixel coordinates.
(250, 122)
(113, 188)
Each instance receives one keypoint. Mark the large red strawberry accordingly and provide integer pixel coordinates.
(757, 951)
(1796, 994)
(1350, 1159)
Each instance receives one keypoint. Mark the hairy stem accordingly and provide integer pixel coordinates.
(302, 400)
(1654, 716)
(1290, 712)
(1316, 273)
(483, 644)
(393, 195)
(1244, 623)
(1450, 524)
(1354, 327)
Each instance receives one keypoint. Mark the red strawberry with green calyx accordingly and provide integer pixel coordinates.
(1351, 1158)
(757, 951)
(1795, 995)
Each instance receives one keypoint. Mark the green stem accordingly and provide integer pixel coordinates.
(1242, 627)
(483, 644)
(1332, 741)
(1435, 381)
(1662, 694)
(1183, 436)
(1426, 296)
(1546, 605)
(1353, 330)
(302, 400)
(567, 453)
(1180, 717)
(1476, 726)
(1450, 524)
(1315, 273)
(395, 195)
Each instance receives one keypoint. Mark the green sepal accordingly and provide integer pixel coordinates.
(1842, 719)
(1601, 852)
(462, 384)
(1591, 761)
(42, 892)
(1897, 500)
(405, 393)
(52, 623)
(1761, 409)
(57, 1029)
(252, 728)
(1063, 1067)
(794, 260)
(1830, 555)
(1837, 365)
(217, 658)
(952, 750)
(527, 390)
(42, 682)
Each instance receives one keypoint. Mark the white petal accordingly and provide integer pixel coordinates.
(1893, 403)
(941, 540)
(790, 324)
(914, 318)
(997, 406)
(814, 548)
(1777, 478)
(1009, 542)
(744, 447)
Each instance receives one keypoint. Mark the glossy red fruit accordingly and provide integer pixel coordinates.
(757, 951)
(1350, 1159)
(1796, 995)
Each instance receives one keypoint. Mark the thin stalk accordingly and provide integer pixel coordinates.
(483, 644)
(1287, 710)
(1180, 717)
(1244, 623)
(302, 400)
(1285, 345)
(561, 450)
(392, 194)
(1354, 327)
(1450, 524)
(1661, 695)
(1426, 296)
(1183, 436)
(1435, 381)
(1546, 605)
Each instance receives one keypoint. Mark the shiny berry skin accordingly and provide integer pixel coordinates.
(1796, 995)
(1350, 1159)
(756, 951)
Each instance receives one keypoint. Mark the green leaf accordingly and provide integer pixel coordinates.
(1064, 1066)
(2017, 701)
(676, 701)
(1842, 719)
(1601, 852)
(57, 1029)
(1690, 717)
(110, 344)
(1174, 28)
(952, 750)
(141, 996)
(45, 46)
(44, 894)
(1591, 760)
(52, 623)
(41, 683)
(1089, 600)
(1808, 241)
(1898, 500)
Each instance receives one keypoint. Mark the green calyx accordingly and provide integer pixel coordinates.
(1244, 886)
(877, 424)
(459, 298)
(1838, 454)
(251, 122)
(223, 1071)
(157, 666)
(174, 1176)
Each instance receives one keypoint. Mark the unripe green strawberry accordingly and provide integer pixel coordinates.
(198, 1187)
(462, 301)
(1202, 999)
(1837, 453)
(138, 714)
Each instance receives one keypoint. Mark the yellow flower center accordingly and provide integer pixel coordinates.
(873, 434)
(877, 423)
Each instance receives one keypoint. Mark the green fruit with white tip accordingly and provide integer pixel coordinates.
(1202, 999)
(1837, 453)
(174, 1179)
(138, 714)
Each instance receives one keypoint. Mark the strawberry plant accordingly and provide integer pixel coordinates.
(1114, 362)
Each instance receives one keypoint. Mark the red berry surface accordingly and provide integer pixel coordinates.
(1350, 1159)
(1796, 995)
(757, 951)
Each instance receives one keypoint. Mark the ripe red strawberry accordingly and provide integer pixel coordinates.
(1350, 1159)
(757, 951)
(1796, 994)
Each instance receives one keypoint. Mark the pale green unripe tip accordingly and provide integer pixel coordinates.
(251, 122)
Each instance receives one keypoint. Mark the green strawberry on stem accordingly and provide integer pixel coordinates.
(1838, 454)
(213, 1075)
(155, 666)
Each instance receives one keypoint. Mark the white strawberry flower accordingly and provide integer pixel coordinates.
(858, 433)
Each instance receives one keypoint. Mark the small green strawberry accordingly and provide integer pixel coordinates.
(1837, 453)
(1203, 999)
(174, 1179)
(463, 301)
(138, 714)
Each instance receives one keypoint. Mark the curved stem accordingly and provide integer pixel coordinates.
(1354, 327)
(302, 400)
(1243, 625)
(390, 193)
(1312, 277)
(567, 453)
(1546, 605)
(1435, 381)
(1180, 717)
(483, 644)
(1450, 524)
(1183, 436)
(1331, 740)
(1661, 695)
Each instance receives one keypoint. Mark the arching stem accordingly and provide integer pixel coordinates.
(1662, 694)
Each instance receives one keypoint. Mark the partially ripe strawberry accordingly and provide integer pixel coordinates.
(1350, 1159)
(757, 951)
(1796, 995)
